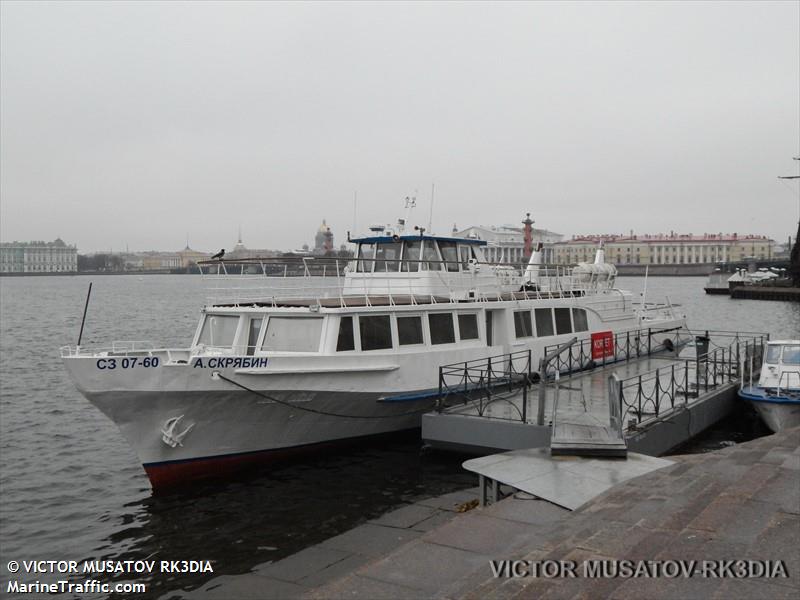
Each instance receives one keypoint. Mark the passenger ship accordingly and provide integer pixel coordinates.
(299, 355)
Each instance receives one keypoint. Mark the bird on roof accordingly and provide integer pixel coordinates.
(219, 254)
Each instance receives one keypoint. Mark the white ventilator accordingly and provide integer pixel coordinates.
(531, 276)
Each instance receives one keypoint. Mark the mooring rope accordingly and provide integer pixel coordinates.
(314, 410)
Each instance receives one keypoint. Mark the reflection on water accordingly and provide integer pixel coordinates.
(70, 488)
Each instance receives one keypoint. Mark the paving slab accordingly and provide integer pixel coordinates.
(246, 587)
(302, 564)
(407, 516)
(371, 540)
(424, 566)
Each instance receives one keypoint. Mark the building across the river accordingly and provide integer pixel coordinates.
(506, 243)
(666, 248)
(38, 257)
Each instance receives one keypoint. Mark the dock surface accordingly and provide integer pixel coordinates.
(741, 502)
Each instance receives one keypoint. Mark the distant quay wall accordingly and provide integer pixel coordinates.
(93, 273)
(698, 270)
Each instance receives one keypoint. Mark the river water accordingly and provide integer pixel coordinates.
(71, 488)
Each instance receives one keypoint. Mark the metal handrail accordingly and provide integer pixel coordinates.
(654, 393)
(481, 379)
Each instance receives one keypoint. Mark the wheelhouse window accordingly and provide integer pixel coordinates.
(522, 324)
(429, 253)
(366, 254)
(468, 326)
(411, 256)
(293, 334)
(441, 325)
(791, 355)
(387, 257)
(219, 330)
(579, 319)
(563, 324)
(376, 332)
(252, 334)
(544, 322)
(464, 256)
(773, 354)
(449, 255)
(346, 340)
(409, 330)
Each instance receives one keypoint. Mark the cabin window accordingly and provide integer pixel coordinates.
(367, 253)
(429, 253)
(468, 326)
(442, 331)
(293, 334)
(449, 256)
(579, 318)
(563, 324)
(544, 322)
(387, 257)
(791, 355)
(522, 323)
(464, 255)
(252, 334)
(346, 340)
(376, 332)
(409, 330)
(411, 256)
(773, 354)
(219, 330)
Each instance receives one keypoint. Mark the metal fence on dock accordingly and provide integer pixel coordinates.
(696, 361)
(652, 394)
(486, 381)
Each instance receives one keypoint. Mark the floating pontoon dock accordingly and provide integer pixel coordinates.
(640, 404)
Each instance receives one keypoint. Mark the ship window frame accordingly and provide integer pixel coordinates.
(584, 320)
(252, 340)
(361, 260)
(425, 259)
(451, 247)
(477, 335)
(281, 319)
(449, 338)
(361, 324)
(207, 321)
(540, 311)
(400, 333)
(411, 265)
(773, 354)
(562, 310)
(523, 329)
(387, 265)
(342, 329)
(795, 349)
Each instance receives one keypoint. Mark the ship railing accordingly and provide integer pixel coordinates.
(657, 393)
(275, 280)
(486, 381)
(126, 348)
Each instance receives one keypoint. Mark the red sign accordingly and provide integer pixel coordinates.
(602, 344)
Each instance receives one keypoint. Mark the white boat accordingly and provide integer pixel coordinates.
(776, 396)
(298, 355)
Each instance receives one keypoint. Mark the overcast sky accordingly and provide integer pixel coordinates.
(139, 124)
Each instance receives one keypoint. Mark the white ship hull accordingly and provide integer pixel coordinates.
(290, 409)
